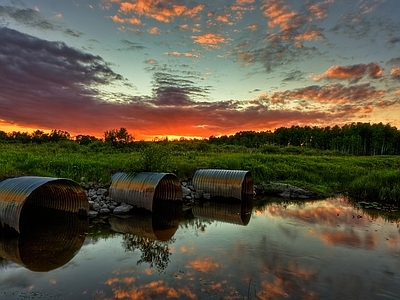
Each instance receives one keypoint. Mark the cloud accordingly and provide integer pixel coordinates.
(352, 73)
(29, 17)
(154, 30)
(162, 11)
(57, 86)
(205, 265)
(33, 18)
(395, 72)
(131, 46)
(209, 40)
(331, 93)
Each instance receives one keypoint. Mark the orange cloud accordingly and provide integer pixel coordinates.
(319, 10)
(395, 72)
(279, 15)
(309, 35)
(154, 30)
(206, 265)
(353, 72)
(211, 40)
(252, 27)
(155, 289)
(157, 9)
(244, 2)
(133, 21)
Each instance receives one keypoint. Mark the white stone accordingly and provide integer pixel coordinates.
(92, 214)
(186, 191)
(104, 211)
(123, 209)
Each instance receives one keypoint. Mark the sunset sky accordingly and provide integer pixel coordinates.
(197, 68)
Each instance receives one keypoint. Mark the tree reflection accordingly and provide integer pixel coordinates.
(155, 253)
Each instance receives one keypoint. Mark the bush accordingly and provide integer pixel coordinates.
(155, 158)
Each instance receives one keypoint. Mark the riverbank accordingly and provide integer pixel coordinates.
(374, 178)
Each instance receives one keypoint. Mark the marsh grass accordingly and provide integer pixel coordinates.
(374, 177)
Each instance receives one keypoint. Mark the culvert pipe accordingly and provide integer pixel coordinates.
(55, 193)
(142, 189)
(224, 183)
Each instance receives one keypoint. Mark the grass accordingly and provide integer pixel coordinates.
(372, 178)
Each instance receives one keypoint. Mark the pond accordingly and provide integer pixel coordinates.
(327, 249)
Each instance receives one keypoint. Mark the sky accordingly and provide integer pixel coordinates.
(198, 68)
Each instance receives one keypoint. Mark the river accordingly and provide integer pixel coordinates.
(326, 249)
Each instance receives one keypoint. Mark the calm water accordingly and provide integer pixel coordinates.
(306, 250)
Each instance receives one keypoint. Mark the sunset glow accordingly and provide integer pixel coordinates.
(172, 69)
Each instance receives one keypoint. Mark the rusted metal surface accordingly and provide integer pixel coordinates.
(141, 189)
(224, 183)
(48, 238)
(161, 224)
(56, 193)
(234, 212)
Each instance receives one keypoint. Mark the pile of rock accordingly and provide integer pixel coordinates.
(190, 194)
(101, 203)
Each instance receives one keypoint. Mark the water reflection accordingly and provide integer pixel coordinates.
(48, 238)
(226, 210)
(150, 232)
(327, 249)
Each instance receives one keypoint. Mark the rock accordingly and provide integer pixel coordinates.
(101, 191)
(123, 209)
(207, 196)
(104, 211)
(186, 191)
(284, 190)
(96, 206)
(198, 194)
(92, 214)
(91, 204)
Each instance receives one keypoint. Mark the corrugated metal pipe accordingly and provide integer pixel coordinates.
(141, 189)
(223, 183)
(55, 193)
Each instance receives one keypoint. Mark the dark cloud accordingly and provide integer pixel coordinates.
(174, 89)
(293, 75)
(29, 17)
(73, 33)
(132, 46)
(32, 18)
(31, 59)
(362, 26)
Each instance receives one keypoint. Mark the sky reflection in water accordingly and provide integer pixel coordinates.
(305, 250)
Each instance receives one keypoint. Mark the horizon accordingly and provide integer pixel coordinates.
(195, 70)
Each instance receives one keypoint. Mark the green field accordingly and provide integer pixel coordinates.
(374, 178)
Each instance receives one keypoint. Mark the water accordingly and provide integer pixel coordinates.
(324, 249)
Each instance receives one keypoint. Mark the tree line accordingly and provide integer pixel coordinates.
(356, 138)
